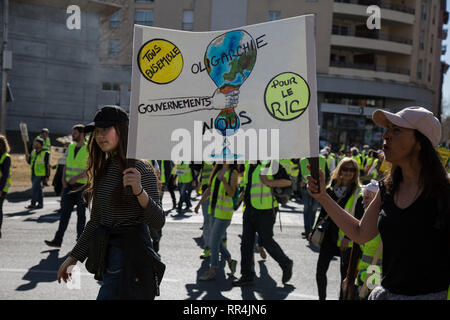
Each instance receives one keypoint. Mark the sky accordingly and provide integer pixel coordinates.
(446, 84)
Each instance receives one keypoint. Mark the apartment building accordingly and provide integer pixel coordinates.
(358, 69)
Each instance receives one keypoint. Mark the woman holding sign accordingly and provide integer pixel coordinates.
(411, 211)
(116, 240)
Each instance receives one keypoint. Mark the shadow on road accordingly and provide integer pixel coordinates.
(21, 213)
(44, 271)
(46, 218)
(266, 287)
(209, 290)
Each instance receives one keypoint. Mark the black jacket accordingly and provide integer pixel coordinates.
(142, 271)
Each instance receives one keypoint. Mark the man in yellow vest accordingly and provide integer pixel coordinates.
(74, 180)
(40, 172)
(205, 174)
(259, 217)
(5, 174)
(45, 136)
(186, 181)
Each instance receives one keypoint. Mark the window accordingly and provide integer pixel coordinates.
(108, 86)
(423, 10)
(421, 40)
(114, 48)
(434, 14)
(114, 21)
(145, 0)
(419, 70)
(274, 15)
(432, 42)
(144, 17)
(188, 20)
(429, 72)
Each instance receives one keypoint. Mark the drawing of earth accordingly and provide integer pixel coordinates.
(229, 59)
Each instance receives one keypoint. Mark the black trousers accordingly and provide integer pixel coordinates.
(328, 250)
(171, 188)
(2, 198)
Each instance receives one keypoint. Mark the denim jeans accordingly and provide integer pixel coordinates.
(36, 191)
(218, 230)
(184, 195)
(206, 223)
(114, 266)
(310, 206)
(262, 223)
(68, 201)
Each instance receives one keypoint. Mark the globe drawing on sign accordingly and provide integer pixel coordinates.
(229, 60)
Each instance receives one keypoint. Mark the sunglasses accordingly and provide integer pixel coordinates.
(348, 169)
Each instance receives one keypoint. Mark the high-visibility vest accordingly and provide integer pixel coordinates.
(291, 168)
(369, 249)
(358, 161)
(304, 162)
(350, 208)
(184, 173)
(76, 164)
(224, 204)
(207, 169)
(46, 144)
(8, 180)
(260, 194)
(163, 171)
(38, 163)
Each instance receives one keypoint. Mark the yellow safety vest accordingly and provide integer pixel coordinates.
(184, 173)
(260, 194)
(38, 163)
(369, 249)
(46, 144)
(224, 205)
(76, 164)
(291, 168)
(8, 180)
(350, 208)
(305, 172)
(207, 169)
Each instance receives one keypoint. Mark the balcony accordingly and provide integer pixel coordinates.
(373, 41)
(389, 12)
(369, 71)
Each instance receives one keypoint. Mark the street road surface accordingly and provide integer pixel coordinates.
(28, 266)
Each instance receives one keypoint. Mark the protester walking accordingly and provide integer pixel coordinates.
(222, 186)
(205, 174)
(411, 211)
(40, 173)
(5, 174)
(74, 181)
(168, 179)
(259, 217)
(186, 178)
(116, 240)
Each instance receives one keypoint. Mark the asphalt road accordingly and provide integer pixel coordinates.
(28, 266)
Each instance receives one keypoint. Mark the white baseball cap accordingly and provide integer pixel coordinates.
(417, 118)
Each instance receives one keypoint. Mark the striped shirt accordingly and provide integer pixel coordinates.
(109, 211)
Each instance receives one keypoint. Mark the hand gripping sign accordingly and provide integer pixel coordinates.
(242, 94)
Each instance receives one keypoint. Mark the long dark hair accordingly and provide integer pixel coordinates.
(433, 179)
(218, 167)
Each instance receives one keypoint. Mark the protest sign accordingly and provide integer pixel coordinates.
(246, 94)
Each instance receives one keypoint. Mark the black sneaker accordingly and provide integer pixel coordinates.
(287, 272)
(53, 243)
(31, 206)
(242, 282)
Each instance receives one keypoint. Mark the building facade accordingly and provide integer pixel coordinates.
(358, 69)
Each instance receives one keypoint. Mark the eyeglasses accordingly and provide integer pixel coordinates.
(348, 169)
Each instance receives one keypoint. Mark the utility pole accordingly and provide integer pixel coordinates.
(6, 65)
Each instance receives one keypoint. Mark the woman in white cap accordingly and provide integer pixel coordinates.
(411, 211)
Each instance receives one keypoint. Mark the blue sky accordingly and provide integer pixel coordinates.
(446, 84)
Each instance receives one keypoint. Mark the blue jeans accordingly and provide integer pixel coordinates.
(114, 266)
(36, 191)
(218, 231)
(310, 206)
(68, 201)
(185, 195)
(206, 223)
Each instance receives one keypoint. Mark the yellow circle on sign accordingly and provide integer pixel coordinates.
(287, 96)
(160, 61)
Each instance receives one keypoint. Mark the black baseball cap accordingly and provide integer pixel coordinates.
(106, 117)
